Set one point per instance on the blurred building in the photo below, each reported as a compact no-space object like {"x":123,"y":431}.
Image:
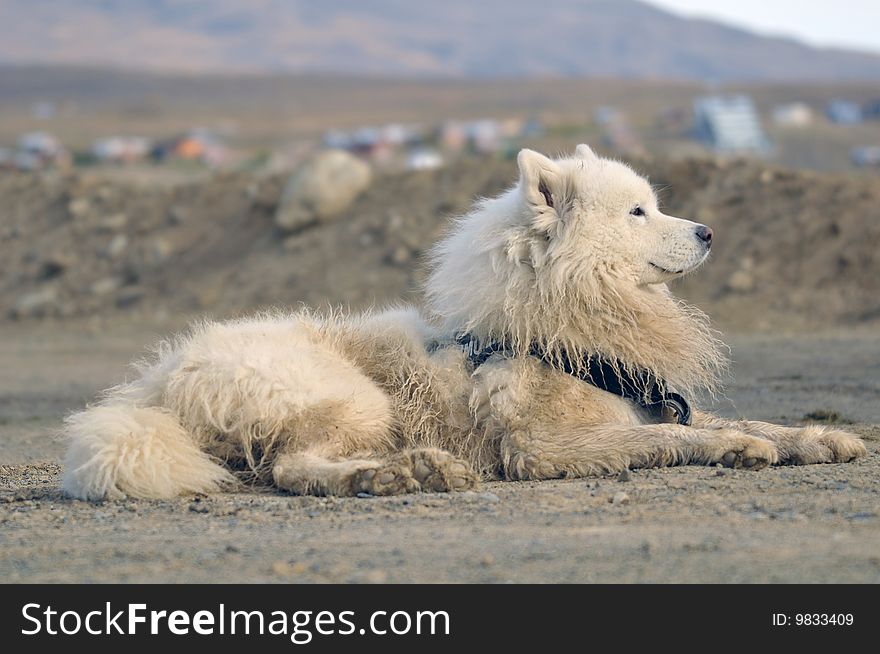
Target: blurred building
{"x":121,"y":149}
{"x":452,"y":135}
{"x":485,"y":136}
{"x":871,"y":109}
{"x":844,"y":112}
{"x":38,"y":150}
{"x":729,"y":124}
{"x":794,"y":114}
{"x":378,"y":144}
{"x":424,"y":159}
{"x":199,"y":144}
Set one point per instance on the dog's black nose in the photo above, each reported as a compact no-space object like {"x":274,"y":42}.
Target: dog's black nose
{"x":705,"y":234}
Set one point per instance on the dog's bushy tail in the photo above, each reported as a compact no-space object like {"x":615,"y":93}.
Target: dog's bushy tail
{"x":118,"y":450}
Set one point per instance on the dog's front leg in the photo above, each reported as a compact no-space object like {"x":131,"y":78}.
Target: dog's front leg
{"x":544,"y":452}
{"x":552,"y":425}
{"x":796,"y":445}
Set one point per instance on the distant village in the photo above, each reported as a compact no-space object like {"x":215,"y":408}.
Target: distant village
{"x":727,"y":124}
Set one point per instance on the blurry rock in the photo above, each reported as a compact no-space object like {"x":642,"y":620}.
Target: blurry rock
{"x":620,"y":498}
{"x":113,"y":223}
{"x":395,"y":220}
{"x":52,"y":268}
{"x":375,"y":576}
{"x":177,"y":215}
{"x":160,"y":250}
{"x":282,"y":569}
{"x":742,"y":281}
{"x":129,"y":297}
{"x":117,"y":246}
{"x":78,"y":207}
{"x":36,"y":304}
{"x":105,"y":286}
{"x":321,"y":189}
{"x":401,"y":255}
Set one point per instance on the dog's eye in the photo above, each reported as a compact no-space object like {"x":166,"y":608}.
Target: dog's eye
{"x":637,"y":211}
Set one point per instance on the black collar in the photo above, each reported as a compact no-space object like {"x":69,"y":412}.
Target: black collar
{"x":640,"y":386}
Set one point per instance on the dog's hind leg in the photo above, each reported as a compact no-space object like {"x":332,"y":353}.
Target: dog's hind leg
{"x":311,"y":472}
{"x":796,"y":445}
{"x":548,"y":453}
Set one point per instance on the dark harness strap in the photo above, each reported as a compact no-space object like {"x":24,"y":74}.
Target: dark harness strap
{"x":640,"y":387}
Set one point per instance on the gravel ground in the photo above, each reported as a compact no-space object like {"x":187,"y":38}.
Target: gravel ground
{"x":686,"y":524}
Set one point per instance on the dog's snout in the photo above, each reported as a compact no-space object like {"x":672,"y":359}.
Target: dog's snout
{"x":705,"y":234}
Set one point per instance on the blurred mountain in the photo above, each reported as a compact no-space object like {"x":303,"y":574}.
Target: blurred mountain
{"x":490,"y":38}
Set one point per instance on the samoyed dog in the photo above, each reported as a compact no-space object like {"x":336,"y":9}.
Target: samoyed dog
{"x":549,"y":346}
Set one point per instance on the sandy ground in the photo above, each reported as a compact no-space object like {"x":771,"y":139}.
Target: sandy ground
{"x":687,"y":524}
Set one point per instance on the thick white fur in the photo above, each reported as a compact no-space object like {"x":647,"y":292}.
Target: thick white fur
{"x":387,"y":402}
{"x":124,"y":449}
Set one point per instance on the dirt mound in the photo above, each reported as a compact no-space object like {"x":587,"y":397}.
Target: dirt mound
{"x":793,"y":249}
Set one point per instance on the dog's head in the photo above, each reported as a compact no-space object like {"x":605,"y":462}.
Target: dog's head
{"x":573,"y":258}
{"x":601,"y":212}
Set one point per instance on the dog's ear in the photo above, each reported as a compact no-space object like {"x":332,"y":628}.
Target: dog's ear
{"x":540,"y":180}
{"x":585,"y":152}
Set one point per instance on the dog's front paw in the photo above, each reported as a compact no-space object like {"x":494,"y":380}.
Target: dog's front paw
{"x":845,"y":447}
{"x":494,"y":398}
{"x":738,"y":450}
{"x":439,"y":472}
{"x":426,"y":469}
{"x":815,"y":444}
{"x":393,"y":478}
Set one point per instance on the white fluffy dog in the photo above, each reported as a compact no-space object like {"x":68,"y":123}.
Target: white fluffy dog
{"x":550,"y":347}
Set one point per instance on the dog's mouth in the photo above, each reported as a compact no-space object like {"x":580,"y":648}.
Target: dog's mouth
{"x":666,"y":270}
{"x":680,"y":271}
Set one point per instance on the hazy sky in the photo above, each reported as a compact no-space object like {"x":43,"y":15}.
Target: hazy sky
{"x":842,"y":23}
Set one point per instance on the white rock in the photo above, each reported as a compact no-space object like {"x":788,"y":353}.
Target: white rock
{"x":117,"y":246}
{"x":105,"y":286}
{"x":78,"y":207}
{"x":620,"y":498}
{"x":36,"y":303}
{"x":324,"y":187}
